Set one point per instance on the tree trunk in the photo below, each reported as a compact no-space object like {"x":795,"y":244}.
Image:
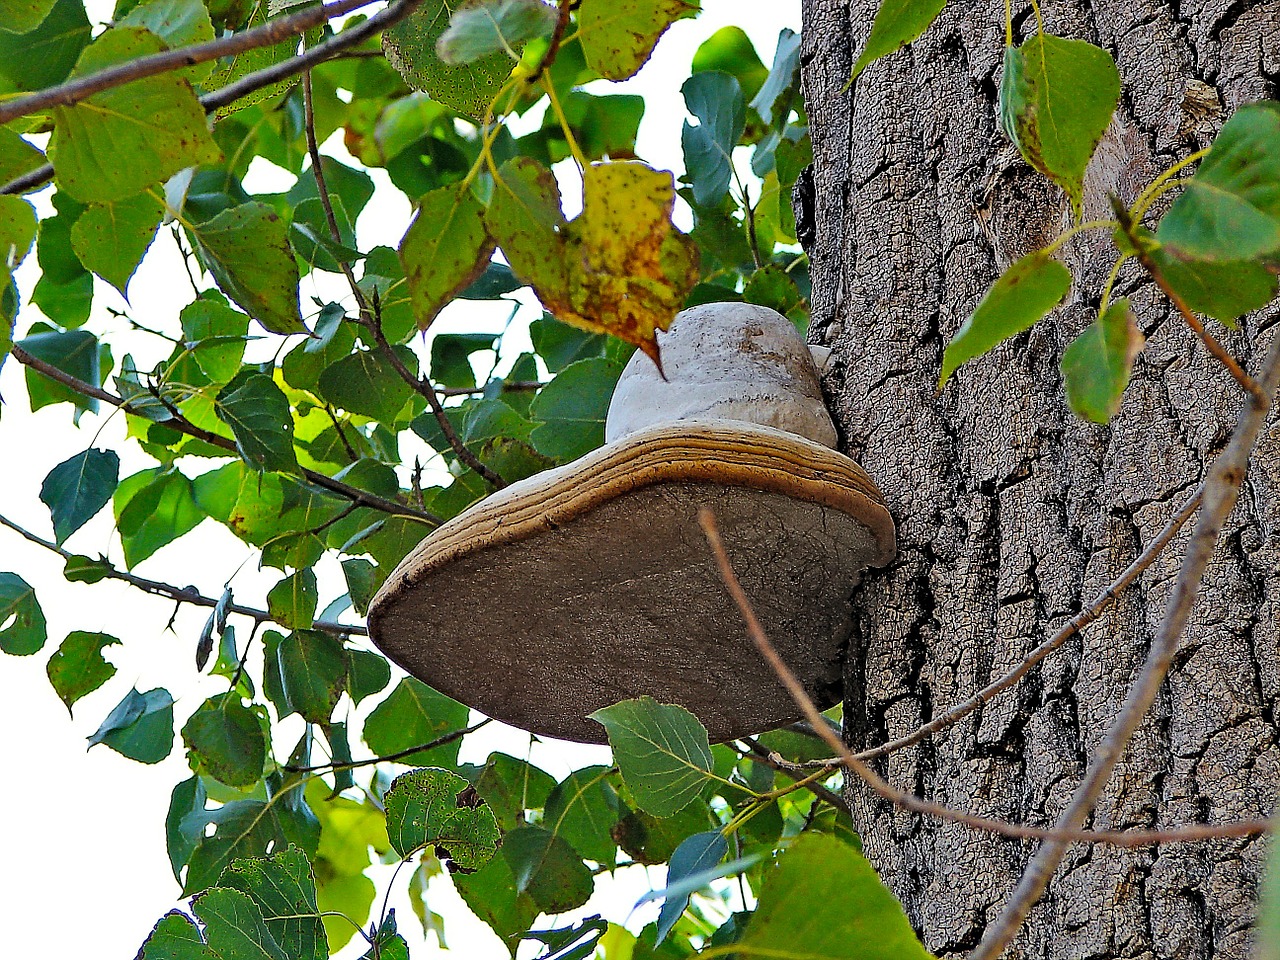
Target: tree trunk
{"x":1011,"y":512}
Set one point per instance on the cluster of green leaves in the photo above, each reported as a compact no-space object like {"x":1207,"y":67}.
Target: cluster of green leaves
{"x":283,"y":421}
{"x":1215,"y":252}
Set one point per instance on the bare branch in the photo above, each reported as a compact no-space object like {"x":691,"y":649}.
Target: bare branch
{"x":181,"y":594}
{"x":1221,"y":489}
{"x":514,"y":386}
{"x":391,"y":757}
{"x":909,"y":801}
{"x":345,"y":490}
{"x":760,"y":754}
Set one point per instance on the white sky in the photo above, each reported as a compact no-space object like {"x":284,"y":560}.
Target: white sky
{"x":84,"y":871}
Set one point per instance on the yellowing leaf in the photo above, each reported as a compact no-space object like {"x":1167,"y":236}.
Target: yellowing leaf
{"x":618,"y":35}
{"x":445,"y":249}
{"x":619,"y":268}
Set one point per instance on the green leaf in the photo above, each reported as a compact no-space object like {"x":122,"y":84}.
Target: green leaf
{"x":235,"y":927}
{"x":17,"y":155}
{"x":1231,"y":208}
{"x":511,"y":787}
{"x":179,"y":23}
{"x":716,"y":100}
{"x":583,"y":808}
{"x":451,"y":357}
{"x":258,"y":413}
{"x":1222,"y":289}
{"x":492,"y":896}
{"x":156,"y":122}
{"x":43,"y":56}
{"x":652,"y":840}
{"x":284,"y":890}
{"x":446,"y":247}
{"x":730,"y":49}
{"x":824,"y":895}
{"x":74,"y":352}
{"x":571,"y":409}
{"x":697,"y":854}
{"x":215,"y":334}
{"x":365,"y":382}
{"x":786,"y":61}
{"x":618,"y":36}
{"x":546,"y":868}
{"x":66,"y":304}
{"x":153,"y":508}
{"x":661,"y":750}
{"x":360,"y":574}
{"x":22,"y":625}
{"x":246,"y":248}
{"x":897,"y":23}
{"x":112,"y":238}
{"x":414,"y":714}
{"x":428,"y":808}
{"x":387,"y":943}
{"x":245,"y":828}
{"x":78,"y":488}
{"x":292,"y":601}
{"x":559,"y":344}
{"x":140,"y":727}
{"x":1267,"y":932}
{"x":78,"y":668}
{"x":313,"y":673}
{"x":410,"y":45}
{"x":17,"y":231}
{"x":245,"y":62}
{"x":1024,"y":294}
{"x":226,"y":738}
{"x":23,"y":16}
{"x":488,"y":27}
{"x":175,"y":937}
{"x":1097,"y":364}
{"x":1056,"y":101}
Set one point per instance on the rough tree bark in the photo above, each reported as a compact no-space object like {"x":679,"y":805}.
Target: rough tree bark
{"x":1010,"y":510}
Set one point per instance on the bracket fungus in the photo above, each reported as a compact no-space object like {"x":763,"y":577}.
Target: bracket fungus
{"x":592,"y":582}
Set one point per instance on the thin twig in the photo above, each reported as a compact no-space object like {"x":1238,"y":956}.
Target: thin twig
{"x":391,"y":757}
{"x":761,"y":754}
{"x":181,"y":424}
{"x":181,"y":594}
{"x":909,"y":801}
{"x":424,"y":387}
{"x":272,"y":32}
{"x":393,"y":14}
{"x":1221,"y":489}
{"x":1074,"y":626}
{"x":512,"y":386}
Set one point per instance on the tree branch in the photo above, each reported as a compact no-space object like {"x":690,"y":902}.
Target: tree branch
{"x":273,"y":31}
{"x":760,"y":754}
{"x":909,"y":801}
{"x":181,"y":424}
{"x":181,"y":594}
{"x":1221,"y":489}
{"x":391,"y":757}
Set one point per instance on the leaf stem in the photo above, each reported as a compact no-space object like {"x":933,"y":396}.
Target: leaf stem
{"x":574,"y":149}
{"x":1145,"y":198}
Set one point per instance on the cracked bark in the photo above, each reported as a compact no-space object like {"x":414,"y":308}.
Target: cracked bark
{"x":1010,"y":511}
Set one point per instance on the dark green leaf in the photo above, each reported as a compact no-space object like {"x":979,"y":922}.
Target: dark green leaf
{"x":897,"y":23}
{"x":559,"y":344}
{"x":226,"y":738}
{"x":716,"y":100}
{"x":1056,"y":100}
{"x":175,"y":937}
{"x":446,"y":247}
{"x":696,"y":854}
{"x":1026,"y":293}
{"x":481,"y":29}
{"x":258,"y":413}
{"x":292,"y":601}
{"x":365,"y":382}
{"x":511,"y":787}
{"x":618,"y":36}
{"x":22,"y":625}
{"x":112,"y":238}
{"x":78,"y":667}
{"x":387,"y":943}
{"x":156,"y":122}
{"x":1097,"y":364}
{"x":424,"y":808}
{"x":415,"y":714}
{"x":313,"y":673}
{"x":661,"y":750}
{"x":153,"y":508}
{"x":78,"y":488}
{"x":284,"y":890}
{"x":583,"y":808}
{"x":245,"y":62}
{"x":786,"y":60}
{"x":80,"y":569}
{"x":826,"y":896}
{"x":246,"y":248}
{"x":43,"y":56}
{"x":1222,"y":289}
{"x":572,"y":409}
{"x":651,"y":840}
{"x":546,"y":868}
{"x":451,"y":357}
{"x":359,"y":574}
{"x":235,"y":926}
{"x":411,"y":47}
{"x":730,"y":49}
{"x":245,"y":828}
{"x":496,"y":280}
{"x":492,"y":896}
{"x":140,"y":727}
{"x":187,"y":797}
{"x":75,"y":353}
{"x":1231,"y":208}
